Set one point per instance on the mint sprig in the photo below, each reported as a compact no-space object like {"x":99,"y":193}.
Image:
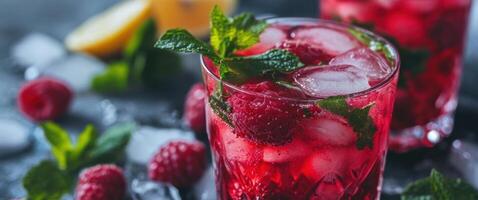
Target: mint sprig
{"x":411,"y":60}
{"x":227,"y":36}
{"x":358,"y":119}
{"x":49,"y":179}
{"x":438,"y":187}
{"x":373,"y":44}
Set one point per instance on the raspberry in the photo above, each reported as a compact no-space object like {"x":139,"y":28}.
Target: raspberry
{"x":44,"y":99}
{"x":91,"y":192}
{"x":109,"y":178}
{"x":194,"y":111}
{"x":264,"y":119}
{"x":180,"y":163}
{"x":306,"y":52}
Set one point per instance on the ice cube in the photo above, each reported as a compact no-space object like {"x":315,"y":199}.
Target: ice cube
{"x":147,"y":140}
{"x":288,"y":152}
{"x":205,"y":189}
{"x":368,"y":61}
{"x":268,"y":39}
{"x":273,"y":36}
{"x":331,"y":80}
{"x":148,"y":190}
{"x":77,"y":70}
{"x":333,"y":42}
{"x":14,"y":136}
{"x":236,"y":148}
{"x":37,"y":49}
{"x":324,"y":162}
{"x":330,"y":130}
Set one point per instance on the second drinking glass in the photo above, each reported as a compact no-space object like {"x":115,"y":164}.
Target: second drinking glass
{"x":429,"y":35}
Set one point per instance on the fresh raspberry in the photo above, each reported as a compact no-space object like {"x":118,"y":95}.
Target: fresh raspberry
{"x":109,"y":177}
{"x":263,"y":119}
{"x":91,"y":192}
{"x":307,"y":53}
{"x":44,"y":99}
{"x":180,"y":163}
{"x":194,"y":108}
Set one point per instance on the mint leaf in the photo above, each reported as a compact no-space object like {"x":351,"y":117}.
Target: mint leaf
{"x":180,"y":40}
{"x":276,"y":60}
{"x":46,"y":181}
{"x":60,"y":143}
{"x":375,"y":45}
{"x":358,"y":119}
{"x":111,"y":144}
{"x":438,"y":187}
{"x":228,"y":35}
{"x":113,"y":79}
{"x":219,"y":106}
{"x":220,"y":24}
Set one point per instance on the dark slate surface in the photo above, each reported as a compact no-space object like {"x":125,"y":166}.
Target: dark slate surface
{"x":58,"y":17}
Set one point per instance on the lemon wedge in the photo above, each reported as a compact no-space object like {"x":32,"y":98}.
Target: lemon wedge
{"x":108,"y":32}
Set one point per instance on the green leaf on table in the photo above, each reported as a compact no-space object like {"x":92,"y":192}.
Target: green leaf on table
{"x":110,"y":146}
{"x":438,"y":187}
{"x":86,"y":140}
{"x":141,"y":41}
{"x":113,"y":79}
{"x":160,"y":67}
{"x":59,"y":141}
{"x":358,"y":119}
{"x":46,"y":181}
{"x":181,"y":41}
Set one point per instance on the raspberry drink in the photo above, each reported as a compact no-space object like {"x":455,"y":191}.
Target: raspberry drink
{"x":317,"y":132}
{"x":429,"y":36}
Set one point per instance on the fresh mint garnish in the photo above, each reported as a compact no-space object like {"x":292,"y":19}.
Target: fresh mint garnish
{"x":375,"y":45}
{"x":50,"y":180}
{"x":181,"y":41}
{"x":219,"y":106}
{"x":438,"y":187}
{"x":358,"y":119}
{"x":46,"y":181}
{"x":411,"y":60}
{"x":227,"y":36}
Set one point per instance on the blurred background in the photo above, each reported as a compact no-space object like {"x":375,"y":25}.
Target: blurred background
{"x":53,"y":20}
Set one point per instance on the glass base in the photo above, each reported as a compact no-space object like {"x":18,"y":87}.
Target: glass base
{"x":427,"y":135}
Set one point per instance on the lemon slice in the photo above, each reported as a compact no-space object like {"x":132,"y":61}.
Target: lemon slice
{"x":108,"y":32}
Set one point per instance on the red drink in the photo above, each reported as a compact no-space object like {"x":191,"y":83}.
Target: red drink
{"x":429,"y":35}
{"x":319,"y":132}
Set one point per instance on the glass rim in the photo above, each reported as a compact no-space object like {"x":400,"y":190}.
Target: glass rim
{"x":395,"y":66}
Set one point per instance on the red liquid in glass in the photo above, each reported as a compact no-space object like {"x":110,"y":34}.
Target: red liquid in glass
{"x":429,"y":35}
{"x":320,"y":158}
